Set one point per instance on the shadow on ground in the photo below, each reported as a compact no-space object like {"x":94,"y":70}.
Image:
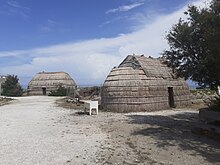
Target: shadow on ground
{"x":178,"y":130}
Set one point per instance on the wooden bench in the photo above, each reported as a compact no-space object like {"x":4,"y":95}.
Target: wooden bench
{"x":89,"y":105}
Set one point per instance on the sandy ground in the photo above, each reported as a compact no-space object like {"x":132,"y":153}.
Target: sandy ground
{"x":34,"y":130}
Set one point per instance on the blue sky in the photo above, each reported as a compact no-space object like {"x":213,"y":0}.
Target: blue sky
{"x":85,"y":38}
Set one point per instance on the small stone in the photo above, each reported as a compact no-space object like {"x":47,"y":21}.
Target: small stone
{"x":137,"y":161}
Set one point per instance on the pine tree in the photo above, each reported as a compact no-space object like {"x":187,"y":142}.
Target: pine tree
{"x":195,"y":45}
{"x":11,"y":86}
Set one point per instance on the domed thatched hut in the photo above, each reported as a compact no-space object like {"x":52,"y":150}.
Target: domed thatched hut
{"x":44,"y":82}
{"x":143,"y":84}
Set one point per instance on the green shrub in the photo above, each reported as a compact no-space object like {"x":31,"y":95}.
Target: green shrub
{"x":206,"y":91}
{"x":61,"y":91}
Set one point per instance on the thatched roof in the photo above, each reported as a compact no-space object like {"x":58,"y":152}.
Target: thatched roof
{"x":141,"y":84}
{"x":151,"y":66}
{"x":52,"y":79}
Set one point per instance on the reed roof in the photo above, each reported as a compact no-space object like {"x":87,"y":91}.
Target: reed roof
{"x":152,"y":67}
{"x":52,"y":79}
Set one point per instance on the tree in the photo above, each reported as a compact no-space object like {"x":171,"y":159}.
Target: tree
{"x":11,"y":86}
{"x":195,"y":45}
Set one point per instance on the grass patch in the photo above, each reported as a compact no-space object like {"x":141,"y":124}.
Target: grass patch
{"x":206,"y":91}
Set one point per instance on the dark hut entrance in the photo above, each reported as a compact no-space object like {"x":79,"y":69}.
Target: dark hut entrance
{"x":171,"y":97}
{"x":44,"y":90}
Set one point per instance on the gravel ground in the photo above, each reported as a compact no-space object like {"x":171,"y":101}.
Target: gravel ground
{"x":34,"y":130}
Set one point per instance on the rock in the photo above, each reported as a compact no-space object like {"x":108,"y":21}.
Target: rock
{"x":199,"y":96}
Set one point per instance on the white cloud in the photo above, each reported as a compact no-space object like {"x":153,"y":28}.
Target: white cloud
{"x":15,"y":4}
{"x":90,"y":61}
{"x":12,"y":7}
{"x":125,"y":8}
{"x":53,"y":26}
{"x":49,"y":25}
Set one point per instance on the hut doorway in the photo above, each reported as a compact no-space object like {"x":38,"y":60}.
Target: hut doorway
{"x":44,"y":91}
{"x":171,"y":97}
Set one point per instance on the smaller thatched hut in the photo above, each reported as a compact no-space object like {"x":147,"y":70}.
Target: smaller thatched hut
{"x":44,"y":82}
{"x":143,"y":84}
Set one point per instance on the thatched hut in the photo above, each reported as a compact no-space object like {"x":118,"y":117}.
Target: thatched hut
{"x":143,"y":84}
{"x":44,"y":82}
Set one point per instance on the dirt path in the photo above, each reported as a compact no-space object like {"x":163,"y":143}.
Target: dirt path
{"x":33,"y":130}
{"x":157,"y":138}
{"x":163,"y":137}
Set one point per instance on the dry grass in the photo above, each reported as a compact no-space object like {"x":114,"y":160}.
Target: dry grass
{"x":68,"y":105}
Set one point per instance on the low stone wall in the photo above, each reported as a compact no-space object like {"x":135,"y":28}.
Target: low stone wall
{"x":4,"y":100}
